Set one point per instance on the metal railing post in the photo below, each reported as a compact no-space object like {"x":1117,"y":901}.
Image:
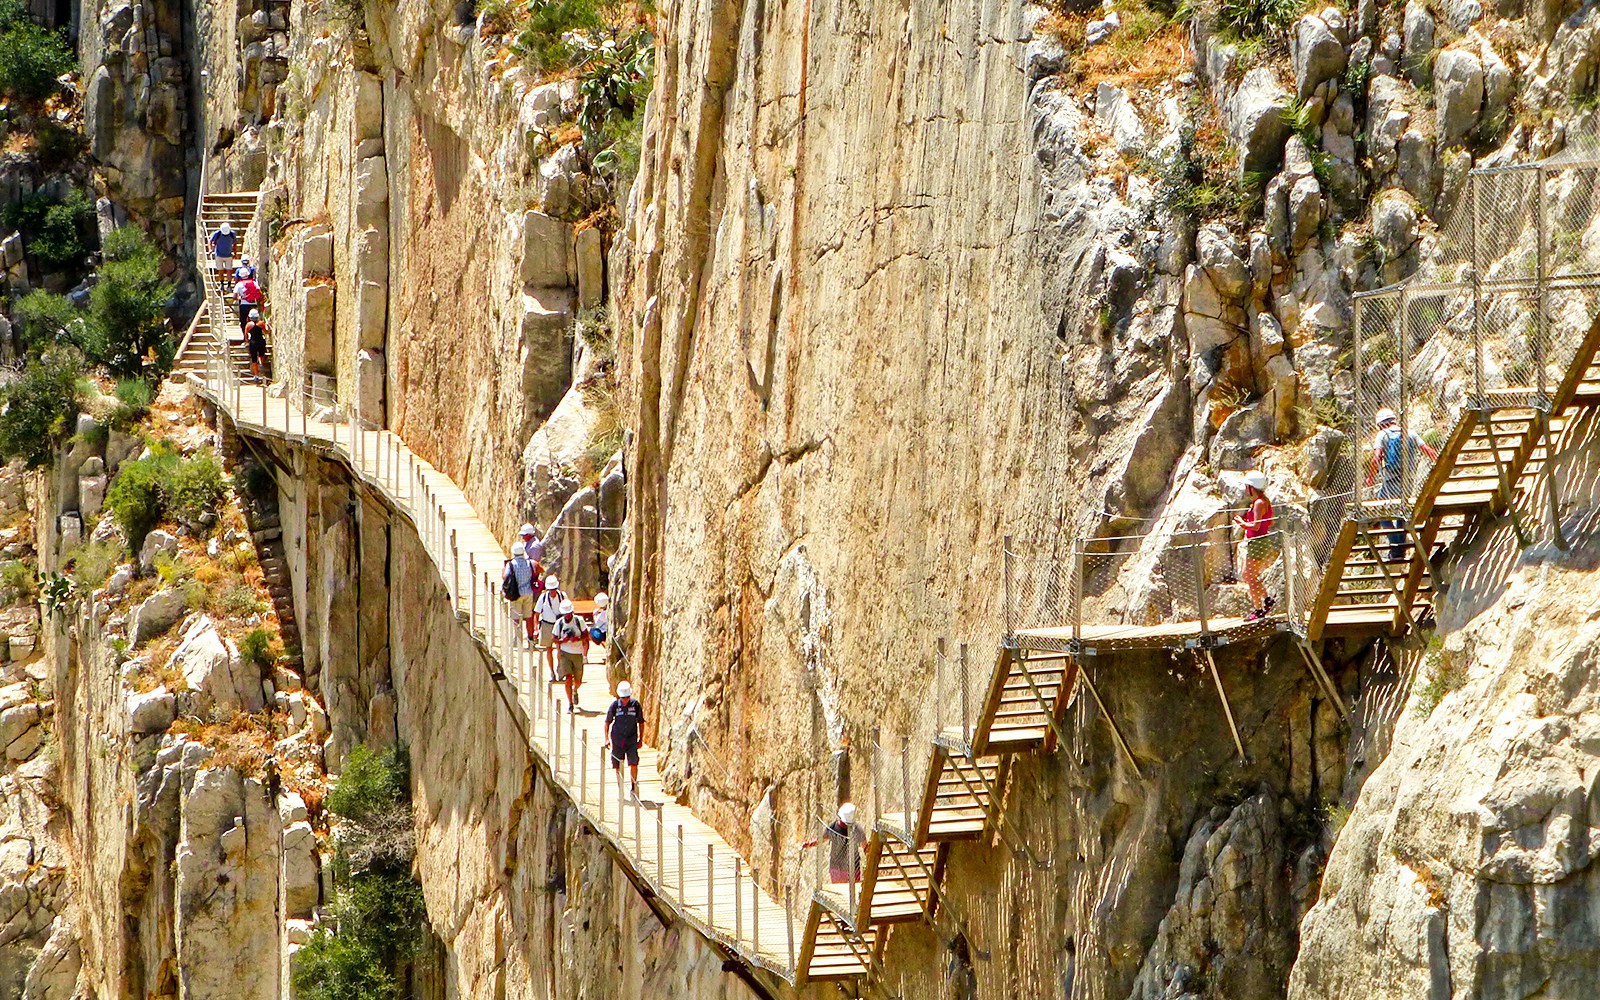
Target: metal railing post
{"x":1541,"y":265}
{"x":877,"y":776}
{"x":966,"y":706}
{"x":905,"y":784}
{"x":738,"y":898}
{"x":755,"y":913}
{"x":661,"y":870}
{"x":1201,"y":598}
{"x":455,"y":573}
{"x":1005,"y":566}
{"x":472,"y":605}
{"x":788,"y":920}
{"x":683,"y":891}
{"x":1358,"y":331}
{"x":1077,"y":590}
{"x":1403,"y":351}
{"x":583,"y":778}
{"x":1477,"y":297}
{"x":711,"y":878}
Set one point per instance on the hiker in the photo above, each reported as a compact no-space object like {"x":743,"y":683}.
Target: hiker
{"x":222,"y":243}
{"x":1261,"y":543}
{"x":600,"y":624}
{"x":844,"y":846}
{"x":1394,"y":454}
{"x":244,"y":270}
{"x":572,"y":643}
{"x":516,"y":586}
{"x":530,"y":539}
{"x":255,"y":342}
{"x":624,"y":722}
{"x":249,"y":296}
{"x":547,"y":608}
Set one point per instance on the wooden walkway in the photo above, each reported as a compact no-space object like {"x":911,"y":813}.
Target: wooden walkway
{"x":685,"y":864}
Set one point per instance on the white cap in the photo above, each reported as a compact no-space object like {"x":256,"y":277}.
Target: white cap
{"x":245,"y":259}
{"x":602,"y":600}
{"x":255,"y":314}
{"x":527,"y":529}
{"x":225,"y":227}
{"x":518,"y":549}
{"x":847,"y":812}
{"x":566,"y":607}
{"x":551,"y":583}
{"x":1256,"y":478}
{"x":624,"y":689}
{"x":1385,"y":416}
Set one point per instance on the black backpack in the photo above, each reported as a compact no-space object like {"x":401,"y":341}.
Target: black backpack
{"x":508,"y":585}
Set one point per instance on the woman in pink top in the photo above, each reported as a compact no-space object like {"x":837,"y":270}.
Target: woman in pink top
{"x":1261,"y":544}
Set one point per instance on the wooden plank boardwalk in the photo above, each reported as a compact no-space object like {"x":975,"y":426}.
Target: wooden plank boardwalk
{"x":684,"y":863}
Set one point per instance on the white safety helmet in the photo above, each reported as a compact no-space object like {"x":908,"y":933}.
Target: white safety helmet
{"x":1256,"y":478}
{"x":527,"y":529}
{"x":225,"y":228}
{"x":245,"y":259}
{"x":624,"y":689}
{"x":566,"y":607}
{"x":551,"y":583}
{"x":602,"y":600}
{"x":255,"y":314}
{"x":847,"y":812}
{"x":1385,"y":416}
{"x":518,"y":549}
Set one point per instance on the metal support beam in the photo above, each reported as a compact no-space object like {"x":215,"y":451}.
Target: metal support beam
{"x":1116,"y":734}
{"x":1227,"y":710}
{"x":1324,"y":681}
{"x":1552,"y":482}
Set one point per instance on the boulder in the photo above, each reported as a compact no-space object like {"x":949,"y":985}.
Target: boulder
{"x":1417,"y":42}
{"x":91,"y":495}
{"x":558,"y":181}
{"x":591,"y":262}
{"x":1458,"y":88}
{"x":300,"y":878}
{"x":1322,"y":452}
{"x":547,"y":251}
{"x":1255,"y":120}
{"x":152,"y":711}
{"x":215,"y":672}
{"x":1388,"y":118}
{"x":1305,"y":212}
{"x":159,"y":612}
{"x":1223,"y":258}
{"x":1317,"y":54}
{"x":157,"y":543}
{"x":1114,"y":111}
{"x":70,"y":529}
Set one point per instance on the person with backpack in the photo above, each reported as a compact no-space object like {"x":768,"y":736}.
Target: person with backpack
{"x":244,"y":270}
{"x":1261,"y":544}
{"x":624,"y":724}
{"x":255,"y":342}
{"x":572,"y":643}
{"x":516,"y":586}
{"x":1394,"y":459}
{"x":249,"y":297}
{"x":222,"y":244}
{"x":547,"y":607}
{"x":600,"y":624}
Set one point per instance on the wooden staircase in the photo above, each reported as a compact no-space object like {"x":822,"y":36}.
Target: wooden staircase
{"x":198,"y":344}
{"x":961,"y":799}
{"x":220,"y":312}
{"x":1490,"y":455}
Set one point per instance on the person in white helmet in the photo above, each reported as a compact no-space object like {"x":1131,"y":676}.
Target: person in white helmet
{"x":516,"y":586}
{"x":600,"y":624}
{"x":624,"y":724}
{"x":1394,"y":460}
{"x":530,"y":539}
{"x":547,"y":608}
{"x":572,"y":642}
{"x":244,"y":270}
{"x":222,"y":243}
{"x":1261,"y":544}
{"x":844,"y":845}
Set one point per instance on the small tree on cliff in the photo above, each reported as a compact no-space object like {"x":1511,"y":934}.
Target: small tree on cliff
{"x":127,"y":308}
{"x":39,"y":405}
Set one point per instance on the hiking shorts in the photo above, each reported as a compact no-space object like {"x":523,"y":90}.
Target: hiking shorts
{"x":1262,"y":548}
{"x":225,"y":263}
{"x":522,"y":607}
{"x":569,"y":665}
{"x":628,"y":750}
{"x":257,"y":352}
{"x":547,"y":633}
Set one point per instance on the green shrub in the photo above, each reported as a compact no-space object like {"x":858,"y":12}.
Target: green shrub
{"x":55,"y":144}
{"x":258,"y":647}
{"x":372,"y":783}
{"x":239,"y":601}
{"x":136,"y":498}
{"x":341,"y":967}
{"x":93,"y":562}
{"x":253,"y":480}
{"x":52,"y":230}
{"x":46,"y":318}
{"x":1247,"y":19}
{"x":17,"y":582}
{"x":195,"y":488}
{"x":543,"y":40}
{"x":31,"y":57}
{"x":135,"y":394}
{"x":39,"y":408}
{"x":128,"y":307}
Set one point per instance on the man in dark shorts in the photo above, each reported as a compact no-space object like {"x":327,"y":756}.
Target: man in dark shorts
{"x":624,"y":721}
{"x":255,"y":342}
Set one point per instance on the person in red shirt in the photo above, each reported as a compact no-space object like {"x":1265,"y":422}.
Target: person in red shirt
{"x":1261,"y":544}
{"x":248,"y":295}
